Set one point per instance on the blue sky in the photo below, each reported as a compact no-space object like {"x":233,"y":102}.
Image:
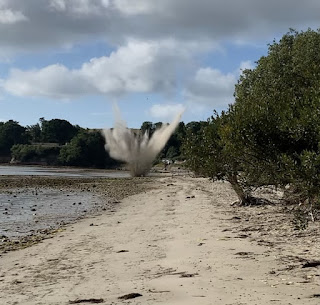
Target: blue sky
{"x":73,"y":59}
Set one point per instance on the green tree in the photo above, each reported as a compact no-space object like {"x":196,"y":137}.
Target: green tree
{"x":86,"y":149}
{"x":11,"y":133}
{"x":57,"y":131}
{"x":148,"y":127}
{"x":193,"y":149}
{"x":34,"y":133}
{"x":271,"y":135}
{"x":158,"y":125}
{"x":194,"y":127}
{"x":276,"y":117}
{"x":211,"y":152}
{"x":38,"y":153}
{"x":172,"y":150}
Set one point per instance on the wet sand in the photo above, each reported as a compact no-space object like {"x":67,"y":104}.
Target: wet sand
{"x":26,"y":211}
{"x":31,"y":208}
{"x":179,"y":243}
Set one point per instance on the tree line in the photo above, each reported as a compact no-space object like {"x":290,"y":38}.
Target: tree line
{"x":58,"y":142}
{"x":270,"y":135}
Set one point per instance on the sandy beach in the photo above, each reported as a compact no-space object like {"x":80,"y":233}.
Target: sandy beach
{"x":179,"y":243}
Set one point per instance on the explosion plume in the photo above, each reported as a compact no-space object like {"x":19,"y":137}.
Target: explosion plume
{"x":137,"y":150}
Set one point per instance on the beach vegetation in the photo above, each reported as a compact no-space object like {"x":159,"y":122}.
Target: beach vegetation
{"x":271,"y":133}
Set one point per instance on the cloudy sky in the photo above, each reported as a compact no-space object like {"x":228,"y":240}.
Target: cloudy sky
{"x":73,"y":59}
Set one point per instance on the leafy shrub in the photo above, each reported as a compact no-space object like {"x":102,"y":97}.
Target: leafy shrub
{"x":86,"y":149}
{"x":271,"y":134}
{"x":35,"y":153}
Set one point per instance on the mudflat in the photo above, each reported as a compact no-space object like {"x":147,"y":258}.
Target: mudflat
{"x":32,"y":208}
{"x":180,"y":242}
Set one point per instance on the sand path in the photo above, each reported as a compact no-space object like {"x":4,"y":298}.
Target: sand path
{"x":170,"y":244}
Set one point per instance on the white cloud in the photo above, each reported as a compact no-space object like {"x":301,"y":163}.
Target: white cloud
{"x":59,"y":5}
{"x":211,"y":87}
{"x":137,"y":67}
{"x":130,"y":7}
{"x":55,"y":23}
{"x":11,"y":17}
{"x":165,"y":112}
{"x":155,"y":42}
{"x":248,"y":64}
{"x":54,"y":81}
{"x":79,"y":7}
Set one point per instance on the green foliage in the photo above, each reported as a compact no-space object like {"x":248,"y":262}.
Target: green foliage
{"x":172,"y":149}
{"x":172,"y":152}
{"x":11,"y":133}
{"x":34,"y":133}
{"x":205,"y":150}
{"x":193,"y":149}
{"x":35,"y":153}
{"x":271,"y":134}
{"x":148,"y":127}
{"x":277,"y":113}
{"x":211,"y":152}
{"x":86,"y":149}
{"x":57,"y":131}
{"x":81,"y":147}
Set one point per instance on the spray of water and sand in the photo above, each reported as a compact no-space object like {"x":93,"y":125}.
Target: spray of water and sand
{"x":135,"y":149}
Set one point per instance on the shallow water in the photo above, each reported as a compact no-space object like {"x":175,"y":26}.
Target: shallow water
{"x":12,"y":170}
{"x":25,"y":211}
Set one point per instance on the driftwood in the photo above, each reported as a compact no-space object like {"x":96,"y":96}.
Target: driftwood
{"x":93,"y":301}
{"x":130,"y":296}
{"x":311,"y":264}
